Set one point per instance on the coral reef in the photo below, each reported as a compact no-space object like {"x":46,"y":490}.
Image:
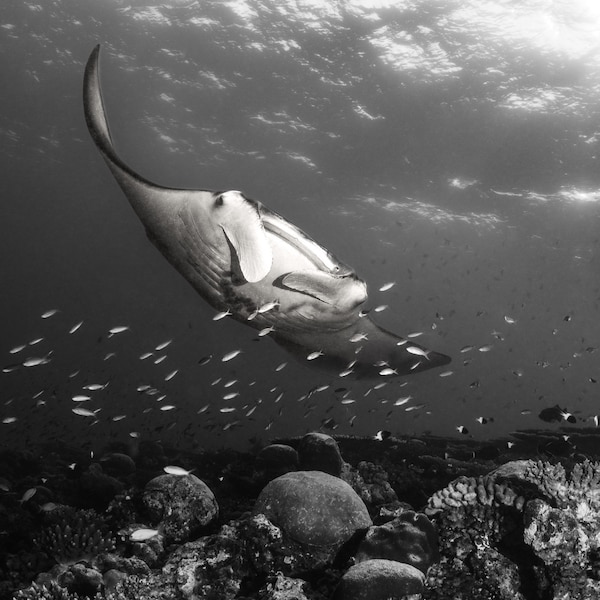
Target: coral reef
{"x":528,"y":530}
{"x":537,"y":520}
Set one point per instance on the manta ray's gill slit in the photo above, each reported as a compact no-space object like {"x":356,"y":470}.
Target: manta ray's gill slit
{"x":208,"y":265}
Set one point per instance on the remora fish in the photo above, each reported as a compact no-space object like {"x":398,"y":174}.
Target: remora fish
{"x":239,"y":256}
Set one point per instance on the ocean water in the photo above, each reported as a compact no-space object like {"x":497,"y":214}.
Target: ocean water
{"x":449,"y":147}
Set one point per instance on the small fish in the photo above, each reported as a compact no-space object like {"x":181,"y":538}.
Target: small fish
{"x":49,"y":313}
{"x":388,"y":371}
{"x":418,"y":351}
{"x":48,"y":507}
{"x":17,"y":349}
{"x":81,"y":398}
{"x":280,"y":367}
{"x":163,"y":345}
{"x":75,"y":327}
{"x":348,"y":401}
{"x":221,"y":315}
{"x":118,"y":329}
{"x":204,"y":360}
{"x":35,"y":361}
{"x":380,"y":308}
{"x":84,"y":412}
{"x":402,"y":401}
{"x":251,"y":411}
{"x":314,"y":355}
{"x":143,"y":388}
{"x":160,"y":359}
{"x":143,"y":534}
{"x":118,"y":418}
{"x":415,"y":334}
{"x":10,"y":368}
{"x":357,"y":337}
{"x":510,"y":445}
{"x":446,"y":373}
{"x":265,"y":331}
{"x":231,"y":396}
{"x":167,"y":407}
{"x":509,"y":320}
{"x":227,"y":409}
{"x":28,"y":495}
{"x":481,"y":420}
{"x":230,"y":355}
{"x":466,"y":349}
{"x":171,"y":375}
{"x":9,"y":420}
{"x":268,"y":306}
{"x":415,"y":407}
{"x":36,"y":341}
{"x":94,"y":387}
{"x":175,"y":470}
{"x":485,"y":348}
{"x":109,"y":355}
{"x":462,"y":429}
{"x":387,"y":286}
{"x":345,"y":372}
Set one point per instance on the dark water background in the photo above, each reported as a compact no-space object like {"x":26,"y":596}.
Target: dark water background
{"x":450,"y":147}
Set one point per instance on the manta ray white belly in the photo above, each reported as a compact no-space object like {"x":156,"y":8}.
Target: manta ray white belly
{"x":244,"y":258}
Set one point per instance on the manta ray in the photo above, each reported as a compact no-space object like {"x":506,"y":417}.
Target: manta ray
{"x":249,"y":262}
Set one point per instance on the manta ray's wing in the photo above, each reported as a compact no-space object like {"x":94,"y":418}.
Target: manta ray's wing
{"x":365,"y":349}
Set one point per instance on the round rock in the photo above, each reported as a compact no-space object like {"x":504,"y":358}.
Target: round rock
{"x":410,"y":538}
{"x":313,"y":508}
{"x":277,"y":457}
{"x":320,"y":452}
{"x":182,"y":505}
{"x":380,"y":579}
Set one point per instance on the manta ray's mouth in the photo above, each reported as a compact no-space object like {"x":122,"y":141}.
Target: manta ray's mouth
{"x":319,"y":256}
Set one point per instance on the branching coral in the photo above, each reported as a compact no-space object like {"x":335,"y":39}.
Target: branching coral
{"x":52,"y":591}
{"x":75,"y":536}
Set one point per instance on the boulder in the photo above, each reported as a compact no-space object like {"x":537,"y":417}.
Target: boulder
{"x":180,"y":505}
{"x":313,"y":508}
{"x":380,"y":579}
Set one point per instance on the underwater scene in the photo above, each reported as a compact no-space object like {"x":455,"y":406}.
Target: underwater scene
{"x":300,"y":300}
